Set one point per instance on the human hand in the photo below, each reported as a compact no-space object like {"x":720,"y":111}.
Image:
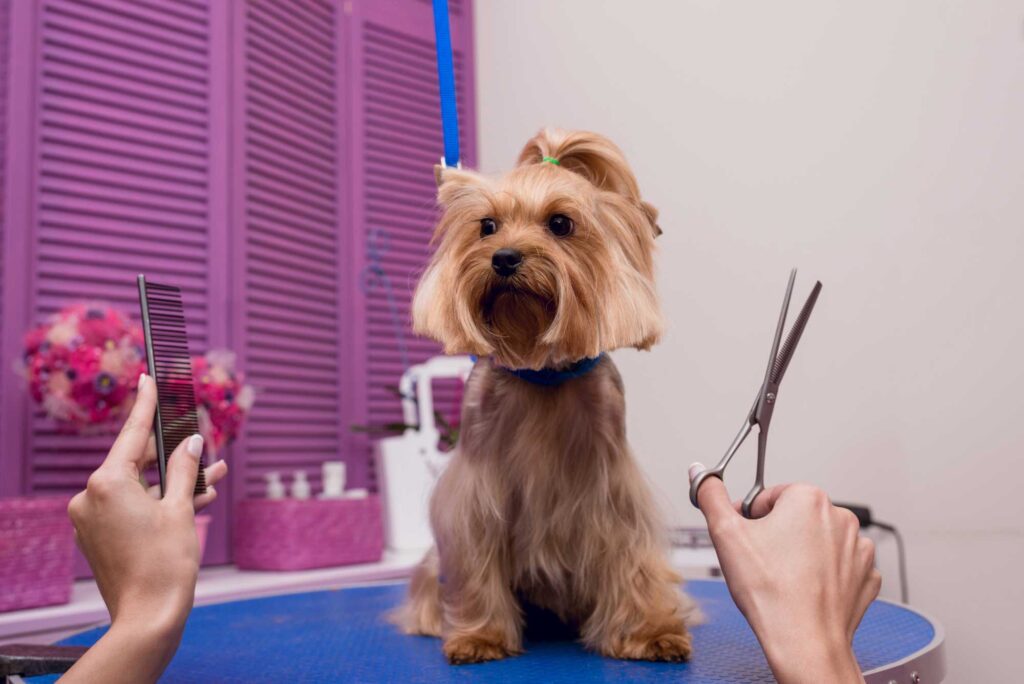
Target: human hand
{"x":143,"y":550}
{"x":800,"y":573}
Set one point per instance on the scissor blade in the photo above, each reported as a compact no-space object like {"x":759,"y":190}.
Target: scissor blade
{"x":769,"y":372}
{"x":793,"y":338}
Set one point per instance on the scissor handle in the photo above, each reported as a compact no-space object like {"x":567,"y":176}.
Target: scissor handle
{"x":719,"y":470}
{"x":699,"y":480}
{"x":762,"y":446}
{"x":748,"y":501}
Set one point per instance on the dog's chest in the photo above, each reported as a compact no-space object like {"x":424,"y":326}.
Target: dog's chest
{"x":554,"y":457}
{"x":558,"y":488}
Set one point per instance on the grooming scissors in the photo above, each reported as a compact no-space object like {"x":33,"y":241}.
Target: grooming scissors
{"x":764,"y":404}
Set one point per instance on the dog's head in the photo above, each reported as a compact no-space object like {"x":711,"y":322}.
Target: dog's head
{"x":547,"y":265}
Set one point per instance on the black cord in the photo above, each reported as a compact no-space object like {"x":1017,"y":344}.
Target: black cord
{"x":891,"y":529}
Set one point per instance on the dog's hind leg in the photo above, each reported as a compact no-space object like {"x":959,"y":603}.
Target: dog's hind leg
{"x":421,"y":612}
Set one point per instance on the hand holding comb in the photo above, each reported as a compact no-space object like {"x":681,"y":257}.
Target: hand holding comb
{"x":170,"y":365}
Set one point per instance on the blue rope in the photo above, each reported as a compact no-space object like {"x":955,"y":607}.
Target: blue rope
{"x":446,"y":83}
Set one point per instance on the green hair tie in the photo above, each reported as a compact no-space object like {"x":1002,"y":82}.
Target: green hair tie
{"x":551,"y":160}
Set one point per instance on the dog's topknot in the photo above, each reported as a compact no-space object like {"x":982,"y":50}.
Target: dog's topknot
{"x":592,"y":156}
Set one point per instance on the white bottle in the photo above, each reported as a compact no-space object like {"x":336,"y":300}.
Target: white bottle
{"x":333,"y":479}
{"x":300,"y":486}
{"x":275,"y":488}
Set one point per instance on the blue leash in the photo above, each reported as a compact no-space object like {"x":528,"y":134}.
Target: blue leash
{"x":446,"y":84}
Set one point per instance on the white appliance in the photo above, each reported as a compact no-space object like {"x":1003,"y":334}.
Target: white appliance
{"x":408,"y":465}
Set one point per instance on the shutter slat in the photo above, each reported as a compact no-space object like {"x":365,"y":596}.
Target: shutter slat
{"x":271,"y":143}
{"x":91,"y":25}
{"x":291,"y":123}
{"x":58,"y":103}
{"x":86,"y":159}
{"x":184,"y":29}
{"x":311,"y":34}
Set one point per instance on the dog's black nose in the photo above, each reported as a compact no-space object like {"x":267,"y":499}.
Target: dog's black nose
{"x":506,"y":261}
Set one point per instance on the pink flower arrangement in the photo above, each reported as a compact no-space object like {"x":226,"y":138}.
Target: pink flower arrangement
{"x":223,"y":397}
{"x":83,"y":366}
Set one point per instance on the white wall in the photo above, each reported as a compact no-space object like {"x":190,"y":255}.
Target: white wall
{"x":879,"y":146}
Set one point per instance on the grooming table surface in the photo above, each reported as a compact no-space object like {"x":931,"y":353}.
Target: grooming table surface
{"x":342,"y":636}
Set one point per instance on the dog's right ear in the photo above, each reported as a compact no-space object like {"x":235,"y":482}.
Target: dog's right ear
{"x":454,"y":183}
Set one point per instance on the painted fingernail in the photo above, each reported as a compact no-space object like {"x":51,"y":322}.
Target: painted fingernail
{"x":142,"y":380}
{"x":696,"y":468}
{"x":195,"y":445}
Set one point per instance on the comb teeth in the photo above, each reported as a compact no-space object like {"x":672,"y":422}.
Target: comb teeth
{"x":170,"y":364}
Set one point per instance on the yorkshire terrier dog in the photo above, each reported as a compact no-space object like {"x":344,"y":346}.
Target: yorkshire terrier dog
{"x":543,"y":505}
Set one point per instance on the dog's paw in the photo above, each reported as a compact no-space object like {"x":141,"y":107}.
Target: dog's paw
{"x":669,"y":646}
{"x":471,"y":648}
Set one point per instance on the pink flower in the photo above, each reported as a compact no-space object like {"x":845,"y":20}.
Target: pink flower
{"x":82,"y":366}
{"x":224,"y":401}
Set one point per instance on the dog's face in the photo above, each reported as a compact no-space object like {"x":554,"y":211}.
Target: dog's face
{"x":547,"y":265}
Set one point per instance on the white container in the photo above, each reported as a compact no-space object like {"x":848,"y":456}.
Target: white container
{"x":408,"y":465}
{"x":333,"y":480}
{"x":275,"y":488}
{"x":300,"y":486}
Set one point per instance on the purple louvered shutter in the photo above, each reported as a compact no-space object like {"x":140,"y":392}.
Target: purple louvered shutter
{"x":126,"y":162}
{"x":5,"y":8}
{"x":288,"y":314}
{"x":396,"y":130}
{"x":141,"y":131}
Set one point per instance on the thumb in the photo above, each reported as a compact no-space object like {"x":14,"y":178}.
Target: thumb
{"x":183,"y":469}
{"x":712,"y":496}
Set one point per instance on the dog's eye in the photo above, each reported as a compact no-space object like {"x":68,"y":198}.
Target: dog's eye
{"x":560,"y":225}
{"x":488,"y":226}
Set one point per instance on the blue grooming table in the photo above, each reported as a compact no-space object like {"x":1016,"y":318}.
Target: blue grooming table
{"x":342,"y":636}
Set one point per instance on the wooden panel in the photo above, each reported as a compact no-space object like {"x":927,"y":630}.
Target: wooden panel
{"x":122,"y":159}
{"x":289,"y":314}
{"x":5,"y":11}
{"x":399,"y":139}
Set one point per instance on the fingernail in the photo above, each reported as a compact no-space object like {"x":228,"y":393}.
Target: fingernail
{"x":695,"y":469}
{"x":142,"y":379}
{"x":195,"y":445}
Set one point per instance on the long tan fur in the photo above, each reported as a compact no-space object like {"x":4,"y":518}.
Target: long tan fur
{"x":543,"y":501}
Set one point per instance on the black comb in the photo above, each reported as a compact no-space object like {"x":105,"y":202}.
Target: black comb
{"x":170,"y":364}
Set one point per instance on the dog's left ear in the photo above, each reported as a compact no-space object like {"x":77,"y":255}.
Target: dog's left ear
{"x":652,"y":215}
{"x":592,"y":156}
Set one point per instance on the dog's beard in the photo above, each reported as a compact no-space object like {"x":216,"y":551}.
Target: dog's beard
{"x":546,"y":315}
{"x":515,"y":319}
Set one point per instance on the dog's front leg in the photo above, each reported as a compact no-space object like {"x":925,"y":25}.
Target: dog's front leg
{"x":641,"y":613}
{"x":482,"y":618}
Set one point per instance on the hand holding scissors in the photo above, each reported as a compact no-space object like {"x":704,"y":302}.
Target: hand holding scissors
{"x":764,"y":404}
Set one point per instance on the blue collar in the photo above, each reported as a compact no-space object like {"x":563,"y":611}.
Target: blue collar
{"x":552,"y":377}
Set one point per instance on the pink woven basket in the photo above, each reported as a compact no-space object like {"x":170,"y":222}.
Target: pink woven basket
{"x":37,"y":544}
{"x":298,"y":535}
